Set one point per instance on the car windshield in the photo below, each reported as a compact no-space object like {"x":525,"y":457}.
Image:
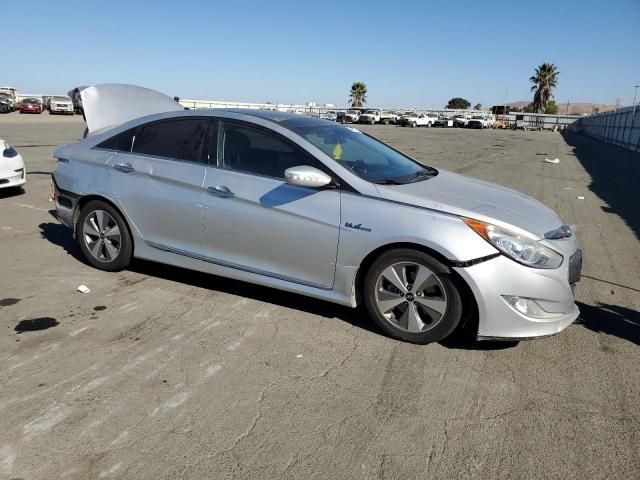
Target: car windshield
{"x":61,"y":99}
{"x":365,"y":156}
{"x":30,"y":100}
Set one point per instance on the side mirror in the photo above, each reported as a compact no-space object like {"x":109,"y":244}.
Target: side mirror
{"x":305,"y":176}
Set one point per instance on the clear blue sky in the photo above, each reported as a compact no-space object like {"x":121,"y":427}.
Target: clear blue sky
{"x":409,"y":53}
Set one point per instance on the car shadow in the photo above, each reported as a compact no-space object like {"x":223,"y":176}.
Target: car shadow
{"x":62,"y":237}
{"x":462,"y":339}
{"x":355,"y":317}
{"x":614,"y":175}
{"x":613,"y":320}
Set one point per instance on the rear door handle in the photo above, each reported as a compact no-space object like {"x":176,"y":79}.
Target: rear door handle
{"x":124,"y":167}
{"x":221,"y":191}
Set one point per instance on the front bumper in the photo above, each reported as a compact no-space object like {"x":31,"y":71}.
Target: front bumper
{"x":501,"y":277}
{"x":61,"y":110}
{"x":12,"y":172}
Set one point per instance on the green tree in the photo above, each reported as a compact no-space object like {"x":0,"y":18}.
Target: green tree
{"x":544,"y":80}
{"x":552,"y":108}
{"x":478,"y":106}
{"x":358,"y":94}
{"x":458,"y":102}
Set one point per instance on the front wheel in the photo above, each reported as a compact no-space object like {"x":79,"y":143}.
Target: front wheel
{"x":412,"y":296}
{"x":104,"y":237}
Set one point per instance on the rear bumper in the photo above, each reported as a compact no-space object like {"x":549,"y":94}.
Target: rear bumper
{"x":65,"y":205}
{"x":493,"y":281}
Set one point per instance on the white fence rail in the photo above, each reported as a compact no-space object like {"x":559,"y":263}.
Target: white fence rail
{"x":621,"y":127}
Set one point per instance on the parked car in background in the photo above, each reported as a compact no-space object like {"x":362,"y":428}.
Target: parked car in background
{"x":30,"y":105}
{"x":443,"y":121}
{"x":76,"y":98}
{"x":12,"y":95}
{"x":370,"y":116}
{"x":351,"y":116}
{"x":12,"y":171}
{"x":61,"y":104}
{"x":330,"y":115}
{"x":418,"y":120}
{"x":308,"y":206}
{"x":6,"y":105}
{"x":477,"y":121}
{"x":461,"y":120}
{"x":340,"y":116}
{"x":387,"y":118}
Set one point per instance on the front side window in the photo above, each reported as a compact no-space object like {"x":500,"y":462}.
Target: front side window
{"x":253,"y":150}
{"x":181,"y":139}
{"x":365,"y":156}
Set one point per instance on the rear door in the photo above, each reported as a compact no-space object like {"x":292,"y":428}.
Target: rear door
{"x":255,"y":221}
{"x":158,"y":181}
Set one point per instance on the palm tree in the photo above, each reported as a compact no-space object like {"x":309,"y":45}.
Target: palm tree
{"x":358,"y":94}
{"x":544,"y":81}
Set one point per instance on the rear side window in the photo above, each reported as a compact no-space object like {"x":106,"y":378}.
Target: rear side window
{"x":182,"y":139}
{"x":120,"y":142}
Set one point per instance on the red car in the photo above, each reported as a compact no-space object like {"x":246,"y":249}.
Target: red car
{"x":30,"y":105}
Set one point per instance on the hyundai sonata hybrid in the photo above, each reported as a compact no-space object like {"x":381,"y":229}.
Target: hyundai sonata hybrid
{"x":309,"y":206}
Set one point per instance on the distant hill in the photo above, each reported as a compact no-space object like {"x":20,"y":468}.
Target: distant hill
{"x":574,"y":108}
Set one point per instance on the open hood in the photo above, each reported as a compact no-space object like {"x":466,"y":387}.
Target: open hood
{"x":113,"y":104}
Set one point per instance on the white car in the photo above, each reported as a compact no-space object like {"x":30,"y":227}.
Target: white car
{"x":12,"y":171}
{"x":60,"y":104}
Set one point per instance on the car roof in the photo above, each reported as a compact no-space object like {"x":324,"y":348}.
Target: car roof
{"x":285,"y":119}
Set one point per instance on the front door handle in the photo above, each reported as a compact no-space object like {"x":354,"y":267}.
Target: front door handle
{"x":124,"y":167}
{"x":221,"y":191}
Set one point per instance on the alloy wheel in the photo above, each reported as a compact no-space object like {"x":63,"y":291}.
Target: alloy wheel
{"x":102,"y":236}
{"x":410,"y":297}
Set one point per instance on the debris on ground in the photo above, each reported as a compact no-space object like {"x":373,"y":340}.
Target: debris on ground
{"x":555,"y":160}
{"x":580,"y":198}
{"x":83,"y":289}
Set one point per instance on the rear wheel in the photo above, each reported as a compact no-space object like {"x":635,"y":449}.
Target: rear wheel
{"x":412,"y":296}
{"x":104,"y":237}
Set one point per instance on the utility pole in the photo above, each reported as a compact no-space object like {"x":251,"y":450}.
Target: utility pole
{"x":635,"y":95}
{"x":567,"y":107}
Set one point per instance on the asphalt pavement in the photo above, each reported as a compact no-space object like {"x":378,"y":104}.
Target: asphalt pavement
{"x":163,"y":373}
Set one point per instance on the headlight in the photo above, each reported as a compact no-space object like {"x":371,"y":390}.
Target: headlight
{"x":522,"y":249}
{"x":9,"y":151}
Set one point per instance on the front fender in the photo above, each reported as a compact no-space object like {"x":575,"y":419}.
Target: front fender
{"x":369,"y":223}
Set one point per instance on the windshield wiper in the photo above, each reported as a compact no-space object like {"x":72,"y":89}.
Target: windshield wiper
{"x":422,"y":173}
{"x":389,"y":181}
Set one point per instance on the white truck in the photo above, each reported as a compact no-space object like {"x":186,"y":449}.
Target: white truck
{"x":375,"y":115}
{"x":418,"y":120}
{"x":370,"y":116}
{"x":351,"y":116}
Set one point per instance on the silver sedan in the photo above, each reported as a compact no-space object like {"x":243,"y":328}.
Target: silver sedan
{"x":308,"y":206}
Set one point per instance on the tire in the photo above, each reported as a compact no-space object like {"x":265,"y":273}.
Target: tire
{"x":102,"y":256}
{"x":410,"y":319}
{"x":428,"y":124}
{"x":414,"y":124}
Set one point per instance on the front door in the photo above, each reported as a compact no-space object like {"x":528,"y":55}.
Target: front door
{"x":257,"y":222}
